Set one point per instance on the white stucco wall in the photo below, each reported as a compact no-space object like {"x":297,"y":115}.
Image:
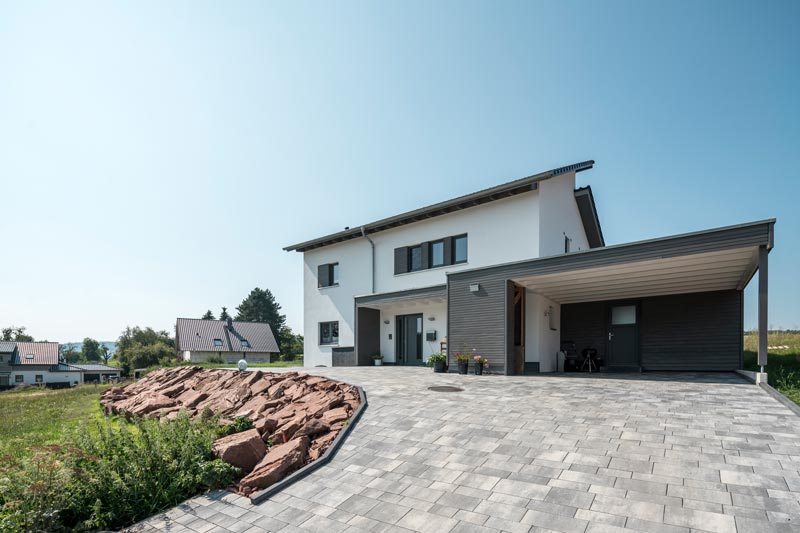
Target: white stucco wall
{"x":560,"y":216}
{"x":228,"y":357}
{"x":498,"y":232}
{"x":29,"y":377}
{"x":541,"y":342}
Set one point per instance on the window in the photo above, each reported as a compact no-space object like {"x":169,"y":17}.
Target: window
{"x":415,"y":258}
{"x":567,"y":242}
{"x":329,"y":333}
{"x":217,"y":342}
{"x":621,"y":315}
{"x":1,"y":358}
{"x":29,"y":356}
{"x":328,"y":275}
{"x":245,"y":343}
{"x":460,"y":249}
{"x":437,"y":254}
{"x":18,"y":379}
{"x":39,"y":378}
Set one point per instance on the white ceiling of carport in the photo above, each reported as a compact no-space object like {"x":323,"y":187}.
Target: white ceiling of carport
{"x":713,"y":271}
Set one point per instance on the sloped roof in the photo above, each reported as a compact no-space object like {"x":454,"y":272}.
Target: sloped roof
{"x":95,"y":368}
{"x":194,"y":334}
{"x":491,"y":194}
{"x":44,"y":353}
{"x":7,"y":347}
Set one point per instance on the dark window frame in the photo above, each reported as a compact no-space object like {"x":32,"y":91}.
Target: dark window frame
{"x":19,"y":378}
{"x":331,"y":268}
{"x":217,"y":342}
{"x":38,"y":378}
{"x":330,"y":340}
{"x":431,"y":256}
{"x":567,"y":244}
{"x":245,"y":343}
{"x":456,"y":238}
{"x":411,"y":258}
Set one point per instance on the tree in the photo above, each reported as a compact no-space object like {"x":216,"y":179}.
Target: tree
{"x":16,"y":334}
{"x":105,"y":353}
{"x":209,"y":315}
{"x":261,"y":306}
{"x":224,"y":314}
{"x":141,"y":348}
{"x":294,"y":345}
{"x":90,"y":350}
{"x":69,"y":354}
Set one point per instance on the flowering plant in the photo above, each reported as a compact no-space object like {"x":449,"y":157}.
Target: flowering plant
{"x":437,"y":357}
{"x":461,"y":358}
{"x":480,"y":360}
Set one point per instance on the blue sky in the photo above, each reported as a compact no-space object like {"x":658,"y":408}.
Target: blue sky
{"x":155,"y":157}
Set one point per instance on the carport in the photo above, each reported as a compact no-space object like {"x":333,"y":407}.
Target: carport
{"x":674,"y":303}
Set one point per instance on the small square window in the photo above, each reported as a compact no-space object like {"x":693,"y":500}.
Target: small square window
{"x":18,"y":379}
{"x":329,"y":332}
{"x":437,"y":254}
{"x":245,"y":343}
{"x":217,"y":342}
{"x":29,"y":356}
{"x":39,"y":378}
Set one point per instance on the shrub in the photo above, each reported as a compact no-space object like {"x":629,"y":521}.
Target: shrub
{"x":215,"y":359}
{"x":240,"y":423}
{"x":113,"y":475}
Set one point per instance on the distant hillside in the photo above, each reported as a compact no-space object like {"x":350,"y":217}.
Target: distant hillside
{"x":112,"y":346}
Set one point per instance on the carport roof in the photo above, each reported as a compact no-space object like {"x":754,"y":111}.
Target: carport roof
{"x":718,"y":259}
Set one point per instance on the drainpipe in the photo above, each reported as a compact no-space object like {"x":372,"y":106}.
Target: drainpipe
{"x":372,"y":245}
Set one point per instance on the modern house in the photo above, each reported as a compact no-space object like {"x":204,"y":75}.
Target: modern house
{"x":197,"y":339}
{"x":516,"y":271}
{"x":39,"y":363}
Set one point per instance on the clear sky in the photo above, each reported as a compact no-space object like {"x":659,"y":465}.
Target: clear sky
{"x":156,"y":156}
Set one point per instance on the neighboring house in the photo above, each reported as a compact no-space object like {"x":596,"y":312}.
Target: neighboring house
{"x":196,"y":340}
{"x":96,"y":373}
{"x":39,"y":363}
{"x":514,"y":271}
{"x":7,"y":350}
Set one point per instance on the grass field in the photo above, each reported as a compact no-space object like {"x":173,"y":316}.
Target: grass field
{"x":276,"y":364}
{"x":783,"y":366}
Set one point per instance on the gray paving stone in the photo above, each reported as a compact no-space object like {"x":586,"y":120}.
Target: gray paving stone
{"x":423,"y":522}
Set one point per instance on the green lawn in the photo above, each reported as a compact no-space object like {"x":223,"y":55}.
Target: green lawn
{"x":276,"y":364}
{"x":783,"y":366}
{"x":35,"y":416}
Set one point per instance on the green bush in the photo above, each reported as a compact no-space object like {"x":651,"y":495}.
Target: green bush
{"x":111,"y":475}
{"x":215,"y":359}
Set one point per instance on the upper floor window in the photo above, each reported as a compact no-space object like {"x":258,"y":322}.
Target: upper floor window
{"x":245,"y":343}
{"x":437,"y":254}
{"x":460,"y":249}
{"x":29,"y":356}
{"x":431,"y":254}
{"x":415,"y":258}
{"x":329,"y":332}
{"x":217,"y":342}
{"x":328,"y":275}
{"x":567,"y":244}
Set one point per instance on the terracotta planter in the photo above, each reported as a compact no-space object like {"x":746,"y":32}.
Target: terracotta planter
{"x":463,"y":368}
{"x":479,"y":369}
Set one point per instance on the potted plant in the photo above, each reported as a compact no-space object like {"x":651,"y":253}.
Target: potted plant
{"x":378,"y":358}
{"x":463,"y":362}
{"x":480,"y":362}
{"x":438,"y":361}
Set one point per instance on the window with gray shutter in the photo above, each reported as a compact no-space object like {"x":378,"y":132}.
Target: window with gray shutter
{"x":401,"y":260}
{"x":323,"y":276}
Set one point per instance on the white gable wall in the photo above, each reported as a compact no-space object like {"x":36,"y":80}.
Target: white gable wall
{"x":560,"y":217}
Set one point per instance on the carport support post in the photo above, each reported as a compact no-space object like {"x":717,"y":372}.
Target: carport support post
{"x":763,"y":284}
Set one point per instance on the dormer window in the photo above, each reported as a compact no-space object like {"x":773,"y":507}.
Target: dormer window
{"x":245,"y":343}
{"x":29,"y":356}
{"x":217,"y":342}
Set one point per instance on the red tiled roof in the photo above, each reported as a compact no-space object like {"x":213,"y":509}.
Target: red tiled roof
{"x":198,"y":335}
{"x":36,"y":353}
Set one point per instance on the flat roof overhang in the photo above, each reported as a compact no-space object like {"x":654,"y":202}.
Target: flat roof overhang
{"x":408,"y":298}
{"x":711,"y":260}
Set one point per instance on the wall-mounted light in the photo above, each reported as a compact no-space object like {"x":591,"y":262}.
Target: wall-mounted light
{"x":386,"y":322}
{"x":431,"y":318}
{"x":474,"y":287}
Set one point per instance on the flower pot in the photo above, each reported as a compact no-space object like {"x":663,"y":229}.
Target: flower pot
{"x":378,"y":362}
{"x":463,"y":368}
{"x":438,"y":367}
{"x":479,"y":369}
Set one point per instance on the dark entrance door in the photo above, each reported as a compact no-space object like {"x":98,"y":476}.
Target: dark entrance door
{"x":623,"y":346}
{"x":409,"y":340}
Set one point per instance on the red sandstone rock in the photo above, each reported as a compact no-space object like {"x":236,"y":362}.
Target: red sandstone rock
{"x":335,"y":415}
{"x":279,"y":461}
{"x":243,"y":450}
{"x":151,"y":403}
{"x":319,"y":445}
{"x":191,"y":397}
{"x":312,"y":427}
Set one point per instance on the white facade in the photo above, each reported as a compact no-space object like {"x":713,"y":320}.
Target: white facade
{"x":229,"y":357}
{"x":28,"y":377}
{"x":520,"y":227}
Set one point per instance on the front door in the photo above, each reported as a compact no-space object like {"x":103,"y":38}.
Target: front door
{"x":623,"y":346}
{"x":409,"y":340}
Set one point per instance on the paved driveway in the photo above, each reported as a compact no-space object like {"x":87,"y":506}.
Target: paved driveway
{"x":671,"y":453}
